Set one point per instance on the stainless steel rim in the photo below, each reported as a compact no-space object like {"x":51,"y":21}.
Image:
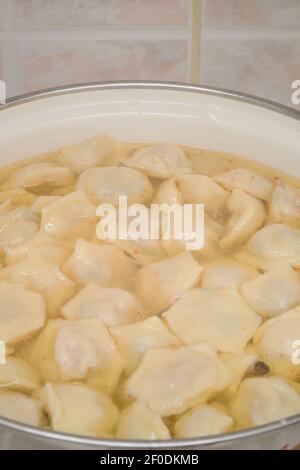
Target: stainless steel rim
{"x":144,"y":84}
{"x":158,"y":444}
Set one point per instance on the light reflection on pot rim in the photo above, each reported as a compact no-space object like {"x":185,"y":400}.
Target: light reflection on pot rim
{"x":155,"y":444}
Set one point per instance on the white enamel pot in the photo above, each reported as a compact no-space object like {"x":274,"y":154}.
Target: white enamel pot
{"x":151,"y":111}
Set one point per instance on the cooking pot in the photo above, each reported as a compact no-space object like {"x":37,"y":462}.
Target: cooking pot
{"x":152,"y":111}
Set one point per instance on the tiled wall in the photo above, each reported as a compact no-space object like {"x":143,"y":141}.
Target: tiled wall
{"x":251,"y":46}
{"x":246,"y":45}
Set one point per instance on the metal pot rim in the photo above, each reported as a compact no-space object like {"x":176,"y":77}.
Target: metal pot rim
{"x":168,"y":86}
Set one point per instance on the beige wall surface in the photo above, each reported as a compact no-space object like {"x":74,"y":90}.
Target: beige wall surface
{"x":251,"y":46}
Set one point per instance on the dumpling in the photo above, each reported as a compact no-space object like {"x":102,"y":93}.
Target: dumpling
{"x":69,"y":218}
{"x":134,"y":340}
{"x":107,"y":184}
{"x":17,"y":226}
{"x":142,"y":251}
{"x":38,"y":174}
{"x":169,"y":381}
{"x":273,"y":292}
{"x":104,"y":265}
{"x":19,"y":407}
{"x":81,"y":157}
{"x":210,"y":248}
{"x":202,"y":189}
{"x":75,"y":350}
{"x":248,"y":215}
{"x":276,"y":341}
{"x":285,"y":205}
{"x":43,"y":201}
{"x":168,"y":193}
{"x":241,"y":365}
{"x":17,"y":374}
{"x":18,"y":197}
{"x":263,"y":400}
{"x":42,"y":245}
{"x":215,"y":225}
{"x":137,"y":422}
{"x":205,"y":420}
{"x":159,"y":284}
{"x":5,"y":207}
{"x":250,"y":182}
{"x":226,"y":273}
{"x":44,"y":277}
{"x":159,"y":160}
{"x":22,"y":313}
{"x":219,"y":317}
{"x":78,"y":409}
{"x":113,"y":306}
{"x":272,"y":246}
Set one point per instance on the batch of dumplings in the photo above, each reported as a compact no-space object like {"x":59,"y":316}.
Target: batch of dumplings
{"x":142,"y":339}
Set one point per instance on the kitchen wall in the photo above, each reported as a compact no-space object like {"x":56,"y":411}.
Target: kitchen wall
{"x":247,"y":45}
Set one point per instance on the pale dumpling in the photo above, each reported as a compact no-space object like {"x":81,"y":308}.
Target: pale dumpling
{"x":17,"y":374}
{"x":241,"y":365}
{"x":262,"y":400}
{"x":5,"y":207}
{"x":139,"y":423}
{"x":17,"y":226}
{"x":22,"y":313}
{"x":211,"y":248}
{"x":160,"y":160}
{"x":43,"y":201}
{"x":219,"y":317}
{"x":19,"y":407}
{"x":273,"y":292}
{"x":168,"y":193}
{"x":285,"y":205}
{"x":107,"y":184}
{"x":272,"y":246}
{"x":78,"y":409}
{"x":277,"y":342}
{"x":69,"y":218}
{"x":248,"y":215}
{"x":38,"y":174}
{"x":159,"y":284}
{"x":17,"y":196}
{"x":113,"y":306}
{"x":134,"y":340}
{"x":44,"y":277}
{"x":142,"y":251}
{"x":205,"y":420}
{"x":104,"y":265}
{"x":202,"y":189}
{"x":169,"y":381}
{"x":56,"y":251}
{"x":226,"y":273}
{"x":250,"y":182}
{"x":81,"y":157}
{"x":73,"y":350}
{"x":193,"y":241}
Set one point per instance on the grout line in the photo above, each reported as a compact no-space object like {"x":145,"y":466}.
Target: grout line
{"x":9,"y":57}
{"x":196,"y":39}
{"x":129,"y":34}
{"x":214,"y":33}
